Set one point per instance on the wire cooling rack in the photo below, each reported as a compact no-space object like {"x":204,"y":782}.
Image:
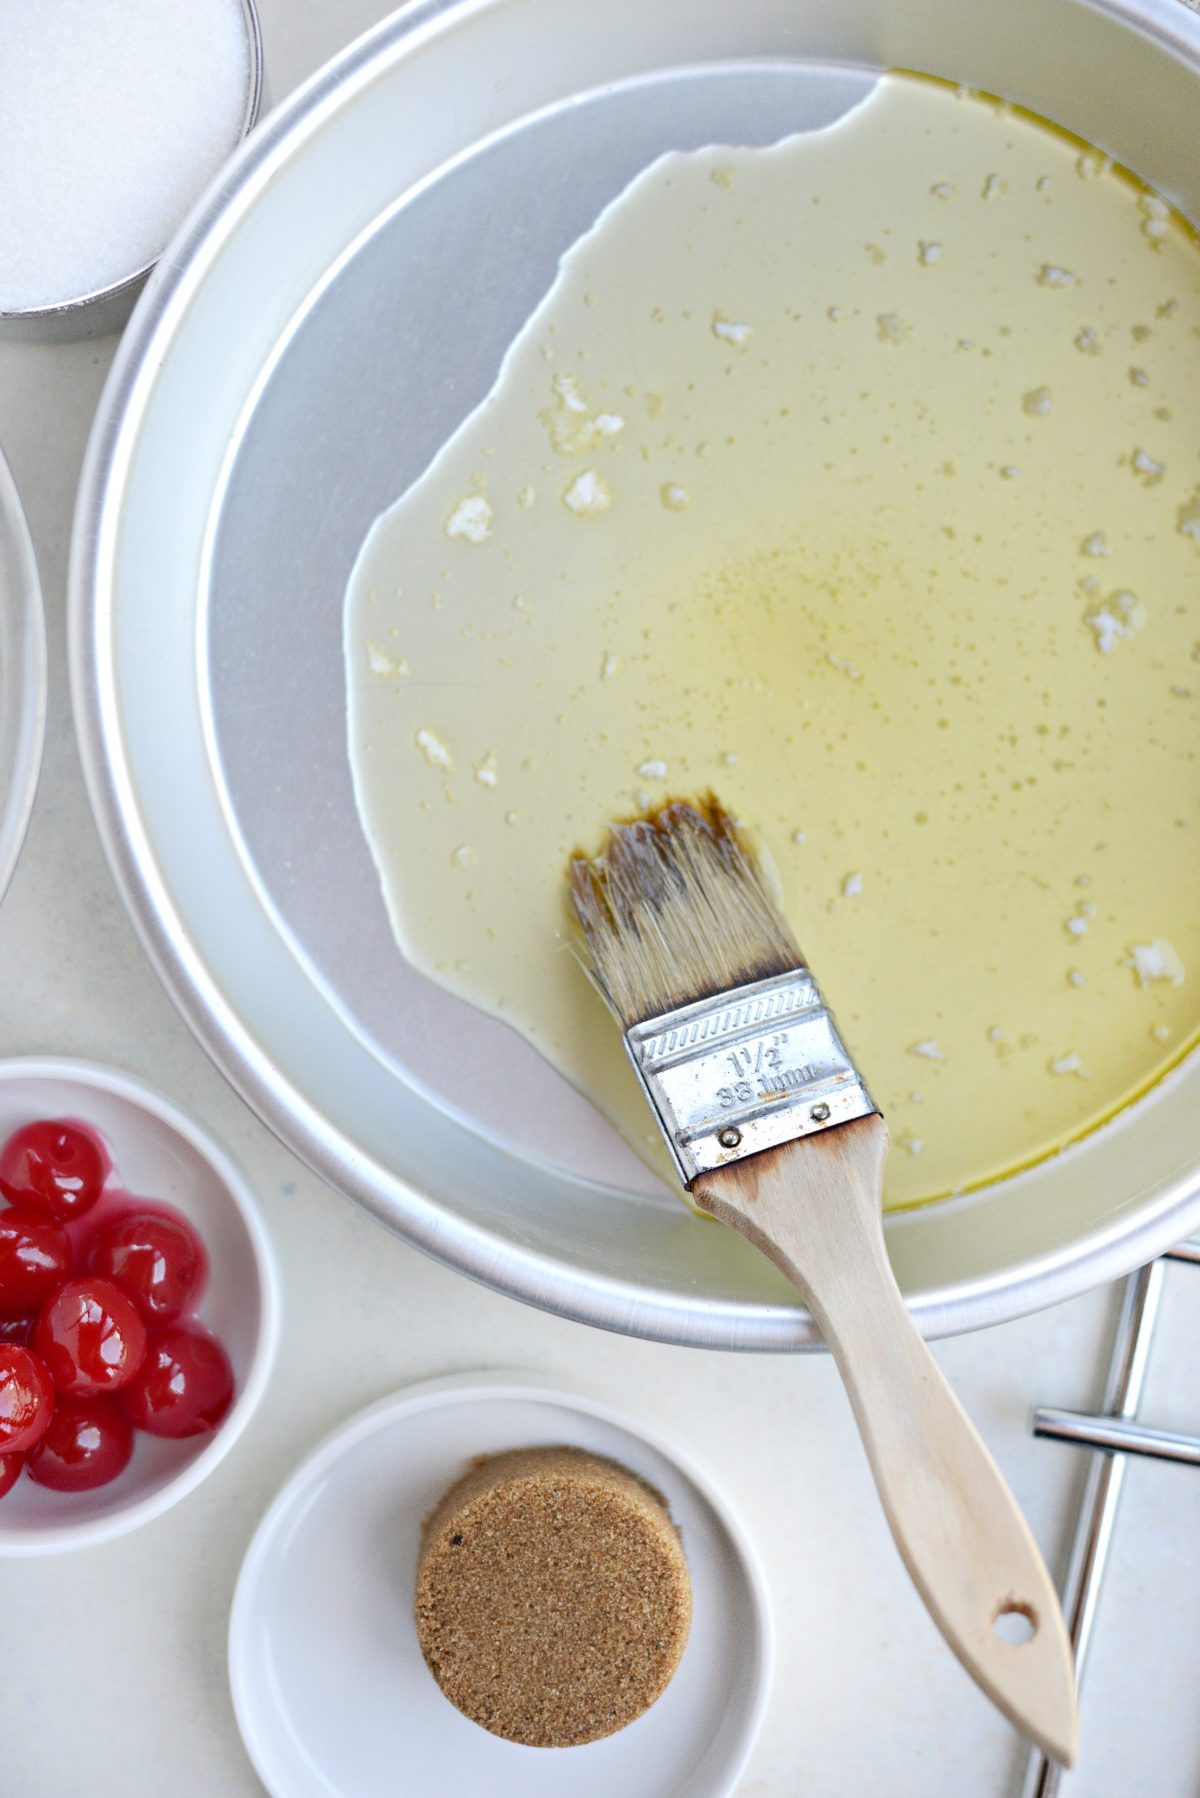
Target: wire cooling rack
{"x":1115,"y":1433}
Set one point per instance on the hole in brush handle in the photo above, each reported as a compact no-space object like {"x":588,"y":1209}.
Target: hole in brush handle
{"x":1015,"y":1622}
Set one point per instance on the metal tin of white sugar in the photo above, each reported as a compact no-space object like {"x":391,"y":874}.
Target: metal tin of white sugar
{"x":116,"y":116}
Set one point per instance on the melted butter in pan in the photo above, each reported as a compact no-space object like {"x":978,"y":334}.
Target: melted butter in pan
{"x":858,"y":479}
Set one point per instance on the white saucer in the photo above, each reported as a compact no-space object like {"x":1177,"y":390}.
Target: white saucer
{"x":332,"y":1695}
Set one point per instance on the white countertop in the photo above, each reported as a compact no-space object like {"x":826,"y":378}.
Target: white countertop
{"x":112,"y":1661}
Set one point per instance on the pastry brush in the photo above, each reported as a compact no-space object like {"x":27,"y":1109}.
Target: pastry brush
{"x":773,"y":1131}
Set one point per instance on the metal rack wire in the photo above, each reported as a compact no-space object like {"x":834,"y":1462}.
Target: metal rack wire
{"x":1117,"y":1432}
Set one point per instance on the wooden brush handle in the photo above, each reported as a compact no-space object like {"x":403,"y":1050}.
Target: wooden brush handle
{"x":813,"y":1206}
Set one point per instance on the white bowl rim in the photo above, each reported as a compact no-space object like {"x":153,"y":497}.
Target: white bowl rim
{"x":22,"y":733}
{"x":60,"y":1538}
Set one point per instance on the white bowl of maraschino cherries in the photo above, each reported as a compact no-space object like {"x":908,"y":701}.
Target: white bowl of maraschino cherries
{"x":138,"y":1306}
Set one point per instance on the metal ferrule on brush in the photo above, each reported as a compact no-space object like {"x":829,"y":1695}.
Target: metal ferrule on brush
{"x":746,"y":1070}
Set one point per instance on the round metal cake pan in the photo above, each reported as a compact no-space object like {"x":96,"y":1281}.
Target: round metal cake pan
{"x":331,"y":311}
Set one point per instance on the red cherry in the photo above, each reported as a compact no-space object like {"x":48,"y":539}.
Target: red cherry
{"x":153,"y":1255}
{"x":54,"y":1167}
{"x":26,"y":1398}
{"x":16,"y":1329}
{"x":184,"y":1385}
{"x":10,"y":1472}
{"x":90,"y":1336}
{"x":35,"y":1254}
{"x":88,"y":1444}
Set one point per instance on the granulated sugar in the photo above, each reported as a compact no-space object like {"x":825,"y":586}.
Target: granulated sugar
{"x":113,"y":116}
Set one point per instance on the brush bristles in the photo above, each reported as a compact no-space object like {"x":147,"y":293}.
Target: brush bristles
{"x":676,"y":909}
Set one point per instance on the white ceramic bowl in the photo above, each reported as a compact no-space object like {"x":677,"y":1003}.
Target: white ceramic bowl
{"x":160,"y":1153}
